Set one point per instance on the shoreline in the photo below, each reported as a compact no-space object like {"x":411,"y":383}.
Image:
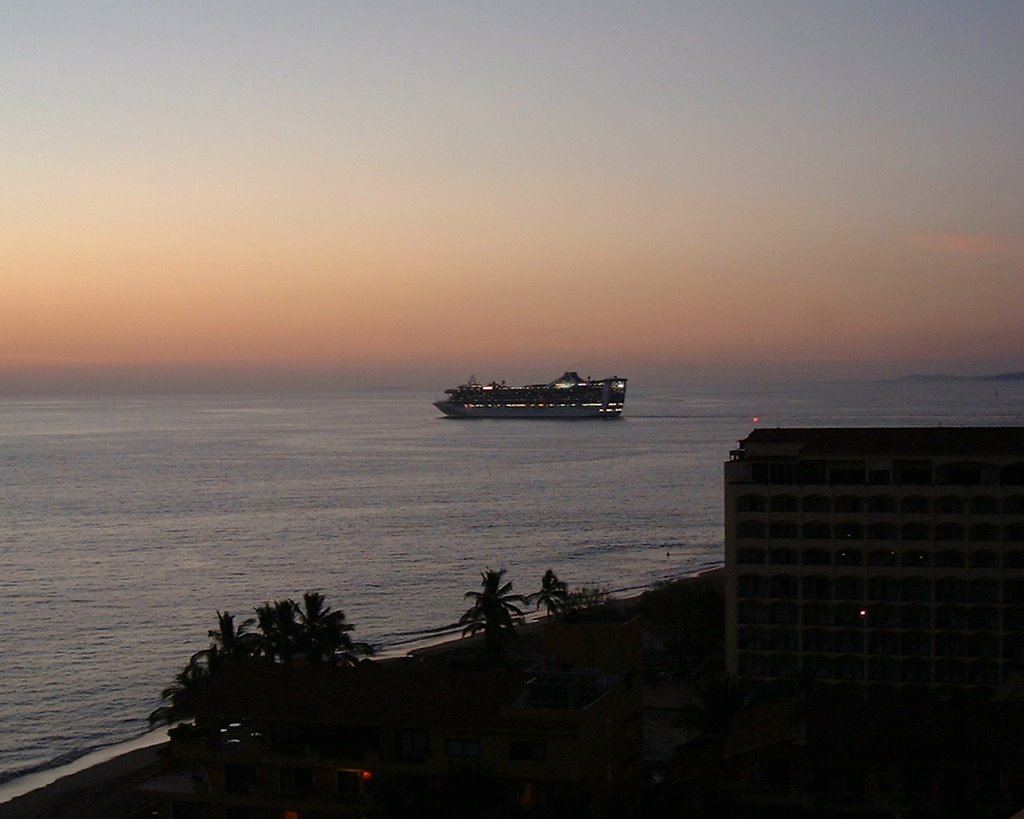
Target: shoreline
{"x":104,"y":770}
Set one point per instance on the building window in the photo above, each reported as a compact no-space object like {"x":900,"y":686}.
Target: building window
{"x":750,"y":503}
{"x":753,"y":638}
{"x":847,"y":476}
{"x":914,"y":474}
{"x":882,"y":557}
{"x":849,"y":531}
{"x":950,"y":559}
{"x":915,"y":644}
{"x":915,"y":590}
{"x":818,"y":640}
{"x":983,"y":505}
{"x":949,"y":531}
{"x":783,"y":556}
{"x":984,"y":532}
{"x":1013,"y":619}
{"x":915,"y":670}
{"x":751,"y":611}
{"x":783,"y":503}
{"x":883,"y":642}
{"x":881,"y":504}
{"x":985,"y":590}
{"x":915,"y":617}
{"x":815,"y":503}
{"x":950,"y":590}
{"x":882,"y":531}
{"x":1014,"y":533}
{"x":984,"y":672}
{"x":1012,"y":475}
{"x":982,"y":618}
{"x":1013,"y":591}
{"x":783,"y":639}
{"x":850,"y":642}
{"x":783,"y":665}
{"x":751,"y":528}
{"x":783,"y":585}
{"x":816,"y":557}
{"x":526,"y":750}
{"x":914,"y":531}
{"x":884,"y":616}
{"x":239,"y":778}
{"x":882,"y":669}
{"x":951,"y":617}
{"x":949,"y":505}
{"x":816,"y":530}
{"x":850,"y":557}
{"x":295,"y":781}
{"x":849,"y":588}
{"x":784,"y":613}
{"x":412,"y":746}
{"x":816,"y":588}
{"x":984,"y":559}
{"x":914,"y":505}
{"x":949,"y":645}
{"x":1014,"y":505}
{"x":750,"y":556}
{"x":816,"y":614}
{"x":884,"y":588}
{"x":462,"y":748}
{"x":752,"y":585}
{"x":915,"y":557}
{"x":848,"y":503}
{"x":783,"y":530}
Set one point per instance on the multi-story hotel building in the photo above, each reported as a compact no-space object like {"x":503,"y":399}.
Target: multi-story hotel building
{"x":877,"y":558}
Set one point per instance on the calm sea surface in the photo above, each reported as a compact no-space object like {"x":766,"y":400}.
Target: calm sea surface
{"x":125,"y":524}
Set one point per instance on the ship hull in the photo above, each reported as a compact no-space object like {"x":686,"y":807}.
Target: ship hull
{"x":455,"y":410}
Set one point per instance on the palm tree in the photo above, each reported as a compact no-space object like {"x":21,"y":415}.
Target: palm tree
{"x":553,"y":594}
{"x":233,"y":642}
{"x":179,"y":696}
{"x":323,"y":633}
{"x":279,"y":629}
{"x":495,"y":612}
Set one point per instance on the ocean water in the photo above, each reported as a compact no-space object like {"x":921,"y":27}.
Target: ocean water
{"x":126,"y":523}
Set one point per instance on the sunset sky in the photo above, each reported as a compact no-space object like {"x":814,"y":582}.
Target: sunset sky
{"x":385,"y":192}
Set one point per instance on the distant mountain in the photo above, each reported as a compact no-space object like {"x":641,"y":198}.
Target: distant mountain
{"x":941,"y":377}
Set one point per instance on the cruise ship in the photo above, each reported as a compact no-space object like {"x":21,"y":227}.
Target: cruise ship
{"x":569,"y":396}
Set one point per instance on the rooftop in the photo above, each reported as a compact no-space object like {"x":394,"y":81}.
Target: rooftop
{"x":887,"y":440}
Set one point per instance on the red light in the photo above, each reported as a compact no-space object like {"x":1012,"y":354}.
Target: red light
{"x":366,"y":776}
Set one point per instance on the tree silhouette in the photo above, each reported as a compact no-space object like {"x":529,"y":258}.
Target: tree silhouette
{"x":553,"y":594}
{"x":495,"y":612}
{"x":286,"y":632}
{"x":179,"y":696}
{"x":323,"y":633}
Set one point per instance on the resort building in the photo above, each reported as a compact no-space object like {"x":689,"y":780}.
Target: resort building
{"x":876,"y":559}
{"x":398,"y":738}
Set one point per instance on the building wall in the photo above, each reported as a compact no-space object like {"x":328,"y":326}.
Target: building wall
{"x":889,"y":569}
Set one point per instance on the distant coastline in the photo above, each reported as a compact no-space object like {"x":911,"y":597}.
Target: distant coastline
{"x":940,"y":377}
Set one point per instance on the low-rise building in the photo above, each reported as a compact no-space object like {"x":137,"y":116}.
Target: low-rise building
{"x":396,"y":738}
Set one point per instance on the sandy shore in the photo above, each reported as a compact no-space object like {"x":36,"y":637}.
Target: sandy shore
{"x":97,"y":791}
{"x":104,"y":789}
